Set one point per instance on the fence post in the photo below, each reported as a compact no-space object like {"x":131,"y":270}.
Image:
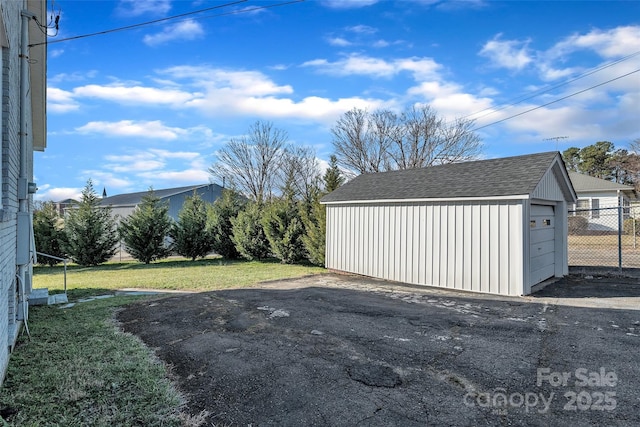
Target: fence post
{"x":620,"y":237}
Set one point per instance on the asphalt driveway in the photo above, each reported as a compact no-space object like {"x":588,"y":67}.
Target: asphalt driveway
{"x":343,"y":351}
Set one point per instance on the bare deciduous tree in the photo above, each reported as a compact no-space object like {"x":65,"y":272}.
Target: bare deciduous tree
{"x":252,"y":162}
{"x":381,"y":141}
{"x":361,"y":140}
{"x":301,"y":170}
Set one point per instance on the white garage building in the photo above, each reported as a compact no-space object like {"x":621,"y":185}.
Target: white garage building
{"x":496,"y":226}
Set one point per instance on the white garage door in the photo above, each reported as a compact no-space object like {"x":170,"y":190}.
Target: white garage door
{"x":542,"y":249}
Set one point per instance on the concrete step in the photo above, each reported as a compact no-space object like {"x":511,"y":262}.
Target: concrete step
{"x":41,"y":297}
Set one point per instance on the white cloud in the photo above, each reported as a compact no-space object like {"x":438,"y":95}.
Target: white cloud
{"x":60,"y":101}
{"x":449,"y":99}
{"x":159,"y":168}
{"x":510,"y":54}
{"x":186,"y":30}
{"x":613,"y":43}
{"x":54,"y":53}
{"x":356,"y":64}
{"x":244,"y":82}
{"x":348,"y":4}
{"x":72,"y":77}
{"x":381,"y":43}
{"x":362,"y":29}
{"x":338,"y":41}
{"x":166,"y":154}
{"x":134,"y":94}
{"x":47,"y":193}
{"x":129,"y":128}
{"x":610,"y":45}
{"x":144,"y":7}
{"x":172,"y":177}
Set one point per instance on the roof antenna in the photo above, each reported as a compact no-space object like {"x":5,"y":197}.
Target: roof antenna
{"x":556,"y":138}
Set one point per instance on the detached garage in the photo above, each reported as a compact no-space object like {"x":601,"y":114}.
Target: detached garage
{"x":497,"y":226}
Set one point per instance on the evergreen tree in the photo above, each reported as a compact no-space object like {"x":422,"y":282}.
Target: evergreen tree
{"x":48,"y":231}
{"x":315,"y":224}
{"x":192,"y":239}
{"x":314,"y":217}
{"x":333,"y":177}
{"x":219,"y":226}
{"x":145,"y":231}
{"x":248,"y":234}
{"x":284,"y":230}
{"x":90,"y":230}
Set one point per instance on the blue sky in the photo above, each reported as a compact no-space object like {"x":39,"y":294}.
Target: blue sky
{"x":149,"y":107}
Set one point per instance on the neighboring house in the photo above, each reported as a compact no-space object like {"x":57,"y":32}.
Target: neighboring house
{"x":123,"y":205}
{"x":597,"y":198}
{"x":497,"y":226}
{"x":23,"y":118}
{"x":63,"y":205}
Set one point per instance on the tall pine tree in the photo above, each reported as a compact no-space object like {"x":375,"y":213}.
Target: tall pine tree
{"x":248,"y":233}
{"x":48,"y":231}
{"x":333,"y":177}
{"x":145,"y":231}
{"x":219,"y":226}
{"x":315,"y":216}
{"x":90,"y":230}
{"x":191,"y":237}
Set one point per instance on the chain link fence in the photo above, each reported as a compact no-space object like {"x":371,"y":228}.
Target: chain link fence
{"x":605,"y":237}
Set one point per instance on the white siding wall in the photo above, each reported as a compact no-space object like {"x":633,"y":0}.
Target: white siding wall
{"x":473,"y":246}
{"x":604,"y":219}
{"x":10,"y":15}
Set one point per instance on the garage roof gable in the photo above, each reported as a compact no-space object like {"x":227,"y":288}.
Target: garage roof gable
{"x":503,"y":177}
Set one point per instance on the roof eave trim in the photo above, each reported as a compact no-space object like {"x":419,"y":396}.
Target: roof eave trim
{"x":439,"y":199}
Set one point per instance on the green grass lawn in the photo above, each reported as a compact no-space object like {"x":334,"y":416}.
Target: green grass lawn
{"x":79,"y":369}
{"x":173,"y":274}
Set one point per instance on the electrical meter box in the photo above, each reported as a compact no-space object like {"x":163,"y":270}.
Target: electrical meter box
{"x":23,"y":238}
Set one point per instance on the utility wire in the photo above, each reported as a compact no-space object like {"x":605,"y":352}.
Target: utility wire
{"x":517,"y":101}
{"x":182,"y":15}
{"x":556,"y":100}
{"x":129,"y":27}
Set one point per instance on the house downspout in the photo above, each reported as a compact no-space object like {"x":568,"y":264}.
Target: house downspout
{"x":24,"y":218}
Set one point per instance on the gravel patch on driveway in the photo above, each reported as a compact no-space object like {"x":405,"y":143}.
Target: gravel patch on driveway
{"x":342,"y":351}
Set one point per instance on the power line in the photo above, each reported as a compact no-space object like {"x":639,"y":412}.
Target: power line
{"x":517,"y":101}
{"x":169,"y":18}
{"x":554,"y":101}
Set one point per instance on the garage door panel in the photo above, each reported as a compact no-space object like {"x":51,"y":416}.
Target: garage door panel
{"x":542,"y":235}
{"x":541,"y":210}
{"x":538,"y":262}
{"x":542,"y":243}
{"x":538,"y":276}
{"x":543,"y":248}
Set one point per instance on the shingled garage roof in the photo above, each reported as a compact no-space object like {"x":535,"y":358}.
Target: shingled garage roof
{"x":507,"y":176}
{"x":132,"y":199}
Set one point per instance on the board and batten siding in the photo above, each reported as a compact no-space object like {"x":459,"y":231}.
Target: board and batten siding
{"x":472,"y":246}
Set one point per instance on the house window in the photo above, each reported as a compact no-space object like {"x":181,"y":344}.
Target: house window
{"x":595,"y":205}
{"x":582,"y":207}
